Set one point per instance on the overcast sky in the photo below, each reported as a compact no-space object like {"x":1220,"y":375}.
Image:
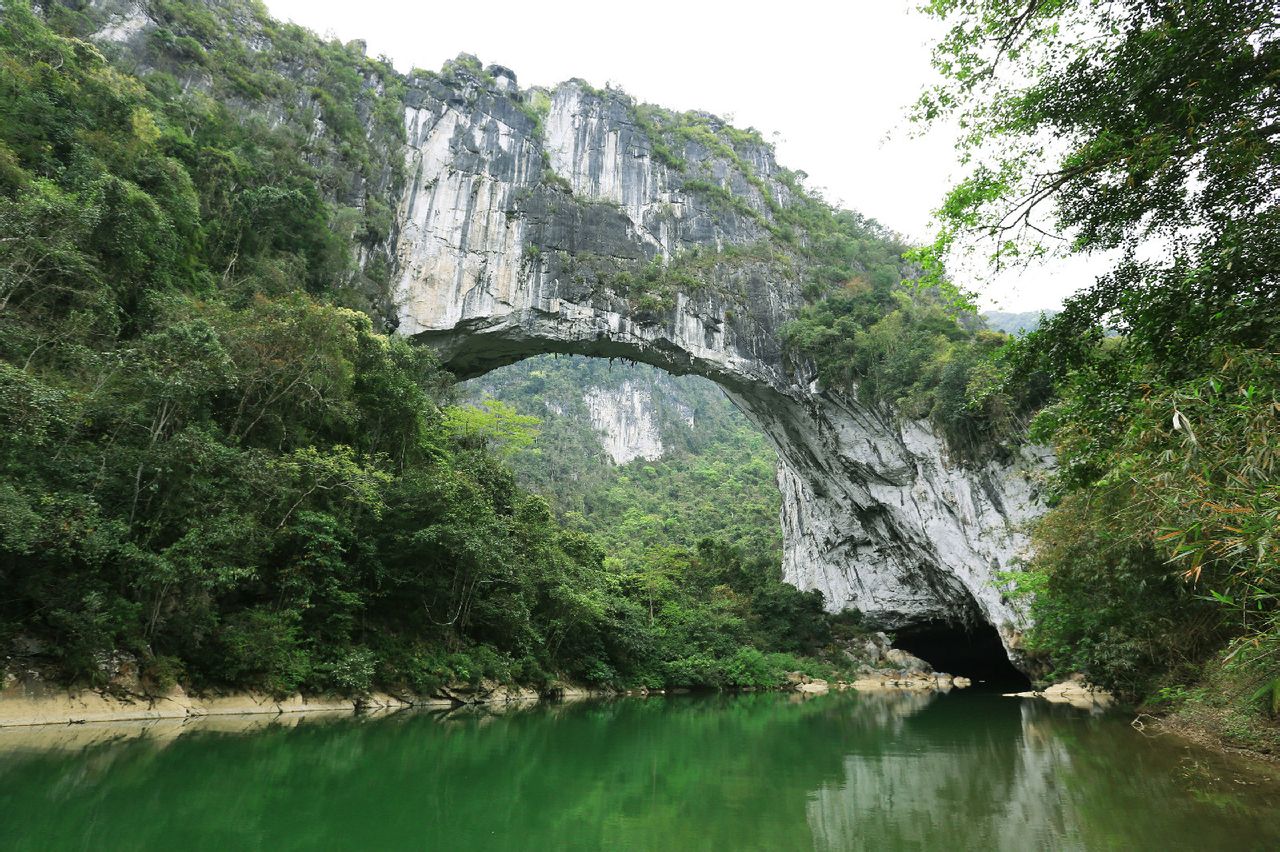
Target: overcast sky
{"x":828,"y":82}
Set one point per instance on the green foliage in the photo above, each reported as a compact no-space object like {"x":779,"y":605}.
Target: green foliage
{"x":203,"y":465}
{"x":491,"y":423}
{"x":1166,"y":114}
{"x":537,"y":106}
{"x":724,"y":199}
{"x":651,"y":121}
{"x":919,"y":360}
{"x":1160,"y":558}
{"x":749,"y":667}
{"x":269,"y":187}
{"x":209,"y":463}
{"x":1236,"y":698}
{"x":1168,"y":518}
{"x":912,"y":348}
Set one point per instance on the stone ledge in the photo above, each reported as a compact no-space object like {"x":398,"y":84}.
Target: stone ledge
{"x":1075,"y":691}
{"x":34,"y":704}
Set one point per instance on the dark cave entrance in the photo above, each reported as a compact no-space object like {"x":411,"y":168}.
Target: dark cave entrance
{"x":973,"y":650}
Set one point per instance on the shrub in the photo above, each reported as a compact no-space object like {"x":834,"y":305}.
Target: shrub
{"x":353,"y":672}
{"x":261,"y":647}
{"x":693,"y":670}
{"x":749,"y":667}
{"x":163,"y":673}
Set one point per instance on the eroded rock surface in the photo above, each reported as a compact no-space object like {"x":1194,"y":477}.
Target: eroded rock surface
{"x":625,"y":420}
{"x":515,"y":236}
{"x":529,"y":221}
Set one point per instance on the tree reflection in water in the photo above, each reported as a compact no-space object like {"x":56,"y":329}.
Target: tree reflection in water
{"x":764,"y":771}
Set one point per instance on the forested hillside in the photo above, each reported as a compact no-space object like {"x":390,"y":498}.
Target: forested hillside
{"x":214,"y":467}
{"x":714,"y":477}
{"x":1016,"y":322}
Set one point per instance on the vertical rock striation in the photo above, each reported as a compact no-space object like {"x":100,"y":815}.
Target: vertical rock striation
{"x":549,"y":221}
{"x":522,"y":232}
{"x":626,"y":422}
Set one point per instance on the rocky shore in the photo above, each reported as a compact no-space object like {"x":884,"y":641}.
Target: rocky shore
{"x":27,"y":699}
{"x":881,"y":667}
{"x":33,"y":702}
{"x":1075,"y":690}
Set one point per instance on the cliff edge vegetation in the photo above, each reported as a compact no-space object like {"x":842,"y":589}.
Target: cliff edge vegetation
{"x":213,"y":463}
{"x":1157,"y":571}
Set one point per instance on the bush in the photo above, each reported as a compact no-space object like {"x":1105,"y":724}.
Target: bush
{"x":694,"y":670}
{"x":600,"y":673}
{"x":1162,"y":546}
{"x":749,"y":667}
{"x":260,"y":647}
{"x":353,"y":672}
{"x":423,"y":670}
{"x":163,"y":673}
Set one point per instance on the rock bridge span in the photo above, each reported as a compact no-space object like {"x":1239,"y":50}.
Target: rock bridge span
{"x":562,"y":221}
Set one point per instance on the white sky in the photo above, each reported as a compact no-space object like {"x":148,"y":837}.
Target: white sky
{"x":828,"y":82}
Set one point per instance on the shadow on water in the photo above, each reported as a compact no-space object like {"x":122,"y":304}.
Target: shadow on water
{"x":765,"y":771}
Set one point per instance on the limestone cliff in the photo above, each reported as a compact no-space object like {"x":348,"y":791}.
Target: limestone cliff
{"x":576,"y":221}
{"x":524,"y":233}
{"x":625,"y":420}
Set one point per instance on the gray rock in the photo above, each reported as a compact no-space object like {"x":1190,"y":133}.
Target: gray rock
{"x":903,"y":661}
{"x":496,"y":265}
{"x":512,"y":236}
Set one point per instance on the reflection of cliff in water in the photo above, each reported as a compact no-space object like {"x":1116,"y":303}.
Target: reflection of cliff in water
{"x":1022,"y":775}
{"x":931,"y":779}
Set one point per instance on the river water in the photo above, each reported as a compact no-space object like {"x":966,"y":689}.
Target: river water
{"x":966,"y":770}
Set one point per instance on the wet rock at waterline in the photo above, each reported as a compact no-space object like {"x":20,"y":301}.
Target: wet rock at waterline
{"x":1075,"y":690}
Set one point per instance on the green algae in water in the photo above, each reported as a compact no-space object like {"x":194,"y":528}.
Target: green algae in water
{"x":767,"y":771}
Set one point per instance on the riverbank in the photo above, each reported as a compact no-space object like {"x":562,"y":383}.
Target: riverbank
{"x":1208,"y":735}
{"x":29,"y":698}
{"x":27,"y":704}
{"x":35,"y":703}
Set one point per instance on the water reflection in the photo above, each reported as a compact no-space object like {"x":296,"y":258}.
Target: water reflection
{"x":1017,"y":775}
{"x":842,"y":771}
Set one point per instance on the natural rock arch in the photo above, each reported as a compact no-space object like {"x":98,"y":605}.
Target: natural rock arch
{"x":522,"y":232}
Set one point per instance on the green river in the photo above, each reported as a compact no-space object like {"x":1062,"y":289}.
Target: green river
{"x":966,"y":770}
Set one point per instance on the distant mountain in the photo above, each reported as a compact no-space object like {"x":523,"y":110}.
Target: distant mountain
{"x":643,"y":460}
{"x":1017,"y":323}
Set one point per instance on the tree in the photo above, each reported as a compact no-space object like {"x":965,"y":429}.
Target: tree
{"x":1149,"y":128}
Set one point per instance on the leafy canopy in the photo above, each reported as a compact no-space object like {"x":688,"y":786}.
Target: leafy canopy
{"x":1146,"y":128}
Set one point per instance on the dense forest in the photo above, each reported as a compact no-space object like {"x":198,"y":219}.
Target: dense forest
{"x":216,"y":466}
{"x":1157,"y":569}
{"x":215,"y":461}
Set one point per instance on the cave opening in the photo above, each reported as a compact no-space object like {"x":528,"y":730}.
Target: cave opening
{"x":972,"y":650}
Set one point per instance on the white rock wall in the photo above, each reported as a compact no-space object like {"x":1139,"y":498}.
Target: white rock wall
{"x":624,"y":418}
{"x":874,"y":513}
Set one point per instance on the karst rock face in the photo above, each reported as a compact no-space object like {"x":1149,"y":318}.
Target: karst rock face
{"x":547,"y":221}
{"x":518,"y":235}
